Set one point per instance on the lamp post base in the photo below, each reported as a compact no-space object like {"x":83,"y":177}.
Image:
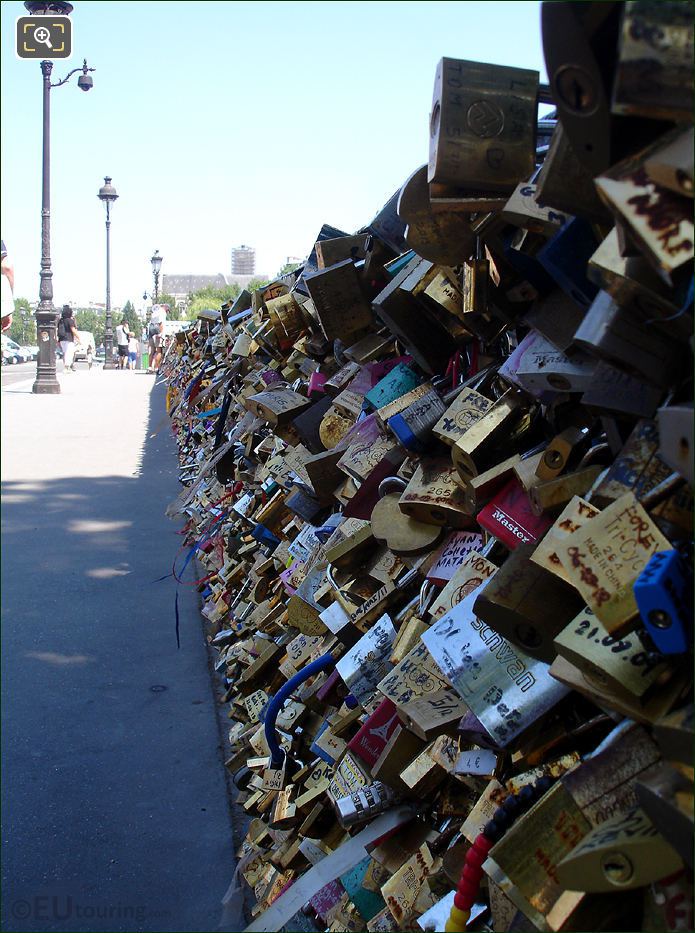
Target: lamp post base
{"x":46,"y":382}
{"x":109,"y":365}
{"x":46,"y":387}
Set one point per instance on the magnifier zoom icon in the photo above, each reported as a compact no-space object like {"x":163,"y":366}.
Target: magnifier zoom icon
{"x":43,"y":35}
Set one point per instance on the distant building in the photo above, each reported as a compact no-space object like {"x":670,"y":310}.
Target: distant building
{"x":243,"y":260}
{"x":181,"y":286}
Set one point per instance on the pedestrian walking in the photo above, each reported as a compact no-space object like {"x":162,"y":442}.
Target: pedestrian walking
{"x":68,"y":337}
{"x":132,"y":351}
{"x":7,"y":289}
{"x":156,"y":336}
{"x":122,"y":338}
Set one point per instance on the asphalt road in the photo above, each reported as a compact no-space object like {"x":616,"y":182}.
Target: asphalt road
{"x":115,"y":808}
{"x":20,"y":372}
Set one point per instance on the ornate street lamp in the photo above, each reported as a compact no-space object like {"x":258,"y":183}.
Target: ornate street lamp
{"x":46,"y":381}
{"x":156,"y":261}
{"x":156,"y":269}
{"x":107,"y":195}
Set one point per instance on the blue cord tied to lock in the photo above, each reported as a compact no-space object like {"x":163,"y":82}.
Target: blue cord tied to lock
{"x":277,"y":755}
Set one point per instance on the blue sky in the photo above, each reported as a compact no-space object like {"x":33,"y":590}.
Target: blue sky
{"x":228,"y":123}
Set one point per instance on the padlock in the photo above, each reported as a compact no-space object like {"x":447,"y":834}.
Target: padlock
{"x":565,"y":257}
{"x":654,"y":68}
{"x":467,"y":407}
{"x":626,"y":852}
{"x":364,"y":804}
{"x":277,"y":406}
{"x":340,"y":303}
{"x":663,"y":592}
{"x":634,"y":284}
{"x":659,"y":221}
{"x":552,"y":495}
{"x":622,"y":665}
{"x":527,"y":605}
{"x":524,"y":210}
{"x":511,"y":517}
{"x":538,"y":367}
{"x":471,"y":453}
{"x":505,"y":688}
{"x":666,"y":796}
{"x":434,"y":497}
{"x":566,"y":184}
{"x":331,"y":251}
{"x":676,"y":438}
{"x":413,"y":426}
{"x":327,"y":232}
{"x":444,"y":236}
{"x":561,"y":448}
{"x":604,"y":558}
{"x":672,"y":165}
{"x":476,"y":272}
{"x":424,"y":337}
{"x":482,"y":125}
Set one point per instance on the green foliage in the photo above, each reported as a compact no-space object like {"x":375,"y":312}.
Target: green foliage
{"x":23,"y":328}
{"x":210,"y":297}
{"x":166,"y":299}
{"x":289,"y":267}
{"x":131,"y":316}
{"x":92,"y":321}
{"x":255,"y":284}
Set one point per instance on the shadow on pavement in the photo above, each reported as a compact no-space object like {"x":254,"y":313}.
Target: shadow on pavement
{"x":115,"y":807}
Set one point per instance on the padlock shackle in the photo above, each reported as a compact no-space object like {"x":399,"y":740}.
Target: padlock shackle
{"x":277,"y":755}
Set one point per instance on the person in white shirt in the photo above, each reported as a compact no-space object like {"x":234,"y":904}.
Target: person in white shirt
{"x":156,"y":336}
{"x":132,"y":351}
{"x":122,"y":338}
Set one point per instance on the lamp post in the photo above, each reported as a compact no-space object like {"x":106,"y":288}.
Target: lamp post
{"x":46,"y":380}
{"x":156,"y":261}
{"x":107,"y":195}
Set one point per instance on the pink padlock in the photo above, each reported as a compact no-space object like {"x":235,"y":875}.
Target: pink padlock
{"x":316,"y":382}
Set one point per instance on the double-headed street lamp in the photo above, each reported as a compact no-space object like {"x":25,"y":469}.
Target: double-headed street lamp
{"x":107,"y":195}
{"x":46,"y":381}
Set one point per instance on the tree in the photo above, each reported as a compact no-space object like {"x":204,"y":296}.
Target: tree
{"x":210,"y":297}
{"x":289,"y":267}
{"x":166,"y":299}
{"x":255,"y":284}
{"x":23,"y":328}
{"x":90,"y":320}
{"x":131,"y":316}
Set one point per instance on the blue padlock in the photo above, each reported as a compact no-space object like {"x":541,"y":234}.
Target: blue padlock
{"x":565,"y":258}
{"x":663,"y":592}
{"x":266,"y":537}
{"x":401,"y":429}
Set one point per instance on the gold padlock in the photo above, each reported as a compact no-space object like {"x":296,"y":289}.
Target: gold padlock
{"x":482,"y":126}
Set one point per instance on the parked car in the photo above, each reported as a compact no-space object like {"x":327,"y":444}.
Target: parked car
{"x":86,"y":344}
{"x":23,"y":353}
{"x":9,"y":357}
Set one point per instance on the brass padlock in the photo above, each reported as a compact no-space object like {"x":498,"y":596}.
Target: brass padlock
{"x":443,"y":237}
{"x":623,"y":853}
{"x":340,"y":303}
{"x":482,"y":126}
{"x":655,"y":61}
{"x":471,"y":452}
{"x":527,"y":605}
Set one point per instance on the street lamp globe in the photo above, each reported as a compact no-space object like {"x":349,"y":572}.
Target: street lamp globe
{"x":48,"y":7}
{"x":156,"y":262}
{"x":107,"y":192}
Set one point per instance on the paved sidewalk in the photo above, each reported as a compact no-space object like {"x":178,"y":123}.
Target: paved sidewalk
{"x":115,"y":809}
